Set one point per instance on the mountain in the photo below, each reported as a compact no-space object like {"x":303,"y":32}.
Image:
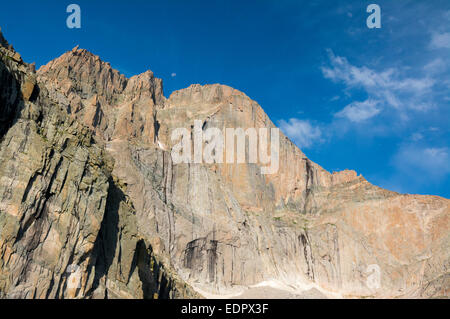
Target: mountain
{"x":88,"y":181}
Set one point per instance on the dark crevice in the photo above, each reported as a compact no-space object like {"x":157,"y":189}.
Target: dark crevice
{"x":309,"y":183}
{"x":152,"y":275}
{"x":106,"y":242}
{"x":156,"y":127}
{"x":10,"y":98}
{"x":307,"y":252}
{"x":35,"y":94}
{"x":155,"y":283}
{"x":212,"y":260}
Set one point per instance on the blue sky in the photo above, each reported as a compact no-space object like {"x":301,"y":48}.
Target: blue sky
{"x":373,"y":100}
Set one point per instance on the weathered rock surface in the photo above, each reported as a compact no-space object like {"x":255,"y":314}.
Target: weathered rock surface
{"x":61,"y":206}
{"x":87,"y":178}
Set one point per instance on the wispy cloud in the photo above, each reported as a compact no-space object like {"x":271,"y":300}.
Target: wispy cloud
{"x":423,"y":162}
{"x":440,"y":41}
{"x":416,"y":136}
{"x":359,"y":111}
{"x":302,"y":132}
{"x":335,"y":98}
{"x":396,"y":95}
{"x":438,"y":65}
{"x":386,"y":88}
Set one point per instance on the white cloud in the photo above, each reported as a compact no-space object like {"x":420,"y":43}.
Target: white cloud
{"x":440,"y":41}
{"x":436,"y":66}
{"x":388,"y":88}
{"x":378,"y":83}
{"x":417,"y":137}
{"x":359,"y":111}
{"x":302,"y":132}
{"x":173,"y":75}
{"x":335,"y":98}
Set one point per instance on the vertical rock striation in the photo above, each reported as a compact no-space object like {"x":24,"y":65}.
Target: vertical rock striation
{"x":87,"y":178}
{"x":60,"y":206}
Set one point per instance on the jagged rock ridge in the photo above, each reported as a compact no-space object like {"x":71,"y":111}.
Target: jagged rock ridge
{"x":61,"y":206}
{"x":99,"y":189}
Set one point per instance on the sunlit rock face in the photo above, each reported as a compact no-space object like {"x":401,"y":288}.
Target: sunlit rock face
{"x":87,"y":178}
{"x":67,"y":228}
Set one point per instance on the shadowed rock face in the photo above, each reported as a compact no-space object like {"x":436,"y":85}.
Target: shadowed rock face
{"x":87,"y":178}
{"x":61,"y":206}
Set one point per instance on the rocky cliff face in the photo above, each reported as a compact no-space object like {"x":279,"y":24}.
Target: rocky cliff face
{"x":60,"y":205}
{"x":87,"y":179}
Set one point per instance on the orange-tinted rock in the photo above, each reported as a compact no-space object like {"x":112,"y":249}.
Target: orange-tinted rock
{"x":224,"y":226}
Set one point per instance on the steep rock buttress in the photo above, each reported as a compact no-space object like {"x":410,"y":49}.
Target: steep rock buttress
{"x":89,"y":180}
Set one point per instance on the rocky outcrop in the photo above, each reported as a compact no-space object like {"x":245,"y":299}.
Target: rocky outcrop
{"x":60,"y":207}
{"x":88,"y":179}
